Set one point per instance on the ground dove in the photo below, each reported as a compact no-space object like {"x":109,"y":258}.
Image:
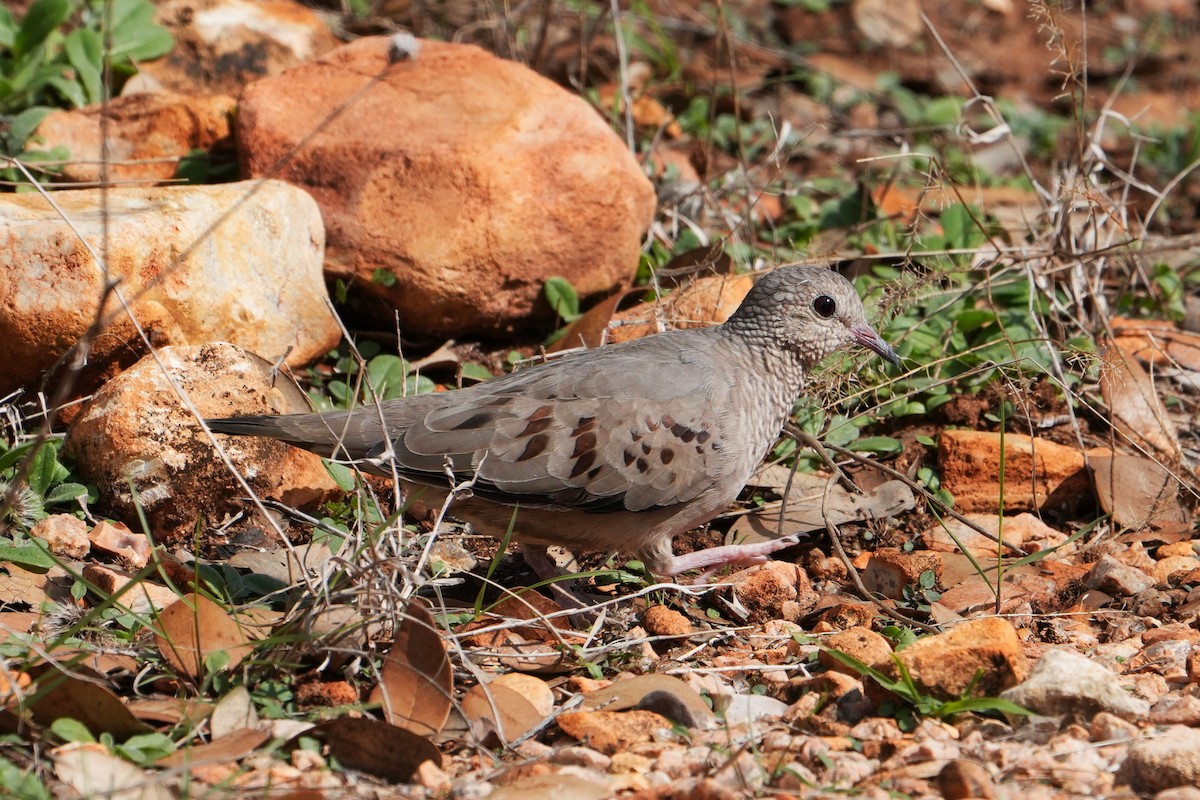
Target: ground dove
{"x":619,"y":448}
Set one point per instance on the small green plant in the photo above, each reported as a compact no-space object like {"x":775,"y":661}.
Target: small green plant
{"x":915,"y":703}
{"x":386,"y":377}
{"x":55,"y":56}
{"x":20,"y":785}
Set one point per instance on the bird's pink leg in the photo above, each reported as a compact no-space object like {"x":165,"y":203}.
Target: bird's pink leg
{"x":713,"y":557}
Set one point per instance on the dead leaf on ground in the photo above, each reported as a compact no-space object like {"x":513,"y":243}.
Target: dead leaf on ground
{"x":416,"y":683}
{"x":1137,"y":491}
{"x":663,"y":694}
{"x":1158,"y":342}
{"x":195,"y":628}
{"x":92,"y":771}
{"x":233,"y":712}
{"x":284,"y":565}
{"x":499,"y":710}
{"x":233,"y":746}
{"x":556,"y":786}
{"x":808,"y":508}
{"x":55,"y":695}
{"x":373,"y":747}
{"x":1133,"y":402}
{"x":170,"y":710}
{"x":894,"y":23}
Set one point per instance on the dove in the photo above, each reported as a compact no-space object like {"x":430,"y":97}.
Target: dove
{"x":617,"y":448}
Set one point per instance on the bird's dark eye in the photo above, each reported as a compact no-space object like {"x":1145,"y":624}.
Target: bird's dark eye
{"x":824,"y":306}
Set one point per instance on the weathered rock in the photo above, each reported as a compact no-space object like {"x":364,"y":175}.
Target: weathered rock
{"x":235,"y":262}
{"x":147,"y":135}
{"x":861,"y":643}
{"x":1038,"y":474}
{"x":1167,"y":761}
{"x":774,"y":590}
{"x":64,"y":535}
{"x":1119,"y":580}
{"x":466,"y":179}
{"x":142,"y":448}
{"x":984,"y":655}
{"x":1063,"y":682}
{"x":222,"y":45}
{"x":889,"y":570}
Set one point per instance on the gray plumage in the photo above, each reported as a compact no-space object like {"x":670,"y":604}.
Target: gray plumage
{"x":617,"y":448}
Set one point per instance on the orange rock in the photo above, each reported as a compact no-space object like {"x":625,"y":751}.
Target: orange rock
{"x":890,"y":569}
{"x":860,"y":643}
{"x":663,"y":621}
{"x":775,"y":590}
{"x":147,"y":134}
{"x":468,"y":179}
{"x":612,"y":731}
{"x":1038,"y":474}
{"x":946,"y":665}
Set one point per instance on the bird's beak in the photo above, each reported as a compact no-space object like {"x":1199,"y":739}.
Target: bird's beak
{"x":866,"y":336}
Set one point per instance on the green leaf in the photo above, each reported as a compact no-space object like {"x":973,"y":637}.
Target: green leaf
{"x":342,"y":475}
{"x":883,"y":445}
{"x":84,"y":51}
{"x":135,"y":35}
{"x":562,"y":298}
{"x":28,"y":554}
{"x":42,"y":469}
{"x":386,"y":374}
{"x":475,"y":372}
{"x":71,"y":730}
{"x":65,"y":493}
{"x":22,"y":126}
{"x":42,"y":19}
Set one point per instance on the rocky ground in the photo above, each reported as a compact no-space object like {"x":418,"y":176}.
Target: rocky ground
{"x":997,"y":596}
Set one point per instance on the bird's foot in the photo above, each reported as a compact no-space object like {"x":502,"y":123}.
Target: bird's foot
{"x":713,"y":558}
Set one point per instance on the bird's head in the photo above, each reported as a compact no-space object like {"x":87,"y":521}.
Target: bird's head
{"x":809,"y":310}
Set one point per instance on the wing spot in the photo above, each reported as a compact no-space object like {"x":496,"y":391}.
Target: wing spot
{"x":668,"y":421}
{"x":642,"y":465}
{"x":652,"y":425}
{"x":594,"y":473}
{"x":635,"y":436}
{"x":646,"y":448}
{"x":583,"y":463}
{"x":629,"y":458}
{"x":536,"y":426}
{"x":667,"y":455}
{"x":542,"y":412}
{"x":682,"y":432}
{"x":703,"y":436}
{"x":584,"y":444}
{"x":586,"y":424}
{"x":535,"y":447}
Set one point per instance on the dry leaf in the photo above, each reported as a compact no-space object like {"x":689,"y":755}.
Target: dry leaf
{"x":59,"y":695}
{"x":535,"y":690}
{"x":416,"y":682}
{"x":808,"y":508}
{"x":895,"y":23}
{"x":501,"y":711}
{"x":371,"y":746}
{"x":1134,"y":405}
{"x":92,"y":771}
{"x":1137,"y":492}
{"x":554,"y":786}
{"x":650,"y":692}
{"x":233,"y":746}
{"x":233,"y":712}
{"x":170,"y":710}
{"x":195,"y":628}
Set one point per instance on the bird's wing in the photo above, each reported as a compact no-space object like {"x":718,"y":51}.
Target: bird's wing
{"x":614,"y":433}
